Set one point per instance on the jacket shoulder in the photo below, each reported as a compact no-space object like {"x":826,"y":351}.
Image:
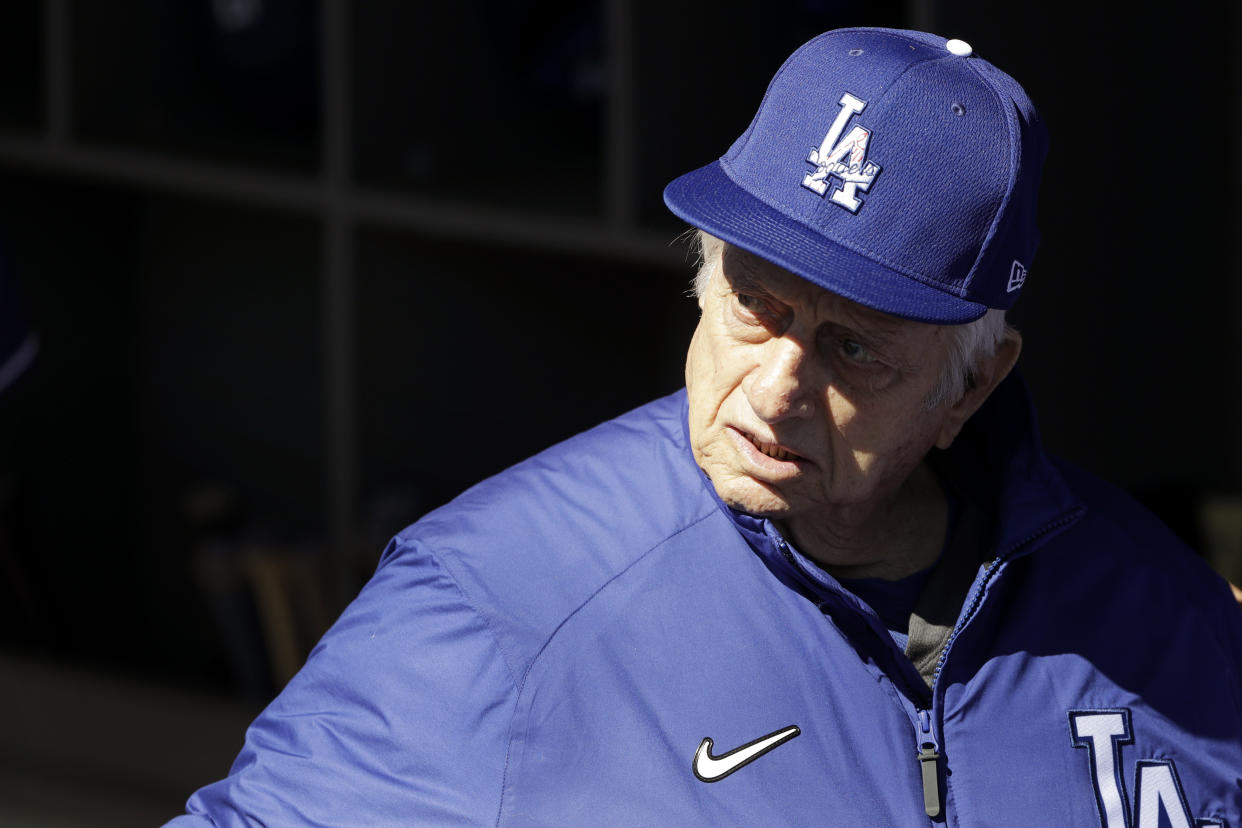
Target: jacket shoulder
{"x":1130,"y":528}
{"x":1161,"y":580}
{"x":531,"y":545}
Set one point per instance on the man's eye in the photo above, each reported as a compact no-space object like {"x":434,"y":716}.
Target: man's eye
{"x":855,"y":351}
{"x":750,"y":307}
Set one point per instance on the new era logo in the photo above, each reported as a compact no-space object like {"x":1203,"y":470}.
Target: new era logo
{"x":1017,"y":276}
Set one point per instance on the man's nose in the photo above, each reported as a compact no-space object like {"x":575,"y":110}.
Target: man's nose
{"x":778,"y":388}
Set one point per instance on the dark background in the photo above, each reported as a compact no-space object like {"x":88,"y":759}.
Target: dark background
{"x":301,"y":271}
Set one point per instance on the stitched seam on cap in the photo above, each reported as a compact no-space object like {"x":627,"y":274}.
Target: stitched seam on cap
{"x":1015,"y":161}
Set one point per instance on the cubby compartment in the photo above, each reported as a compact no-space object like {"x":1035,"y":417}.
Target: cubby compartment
{"x":234,"y":82}
{"x":22,"y":62}
{"x":491,"y":104}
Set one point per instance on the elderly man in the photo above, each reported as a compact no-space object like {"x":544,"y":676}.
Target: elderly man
{"x":834,"y":582}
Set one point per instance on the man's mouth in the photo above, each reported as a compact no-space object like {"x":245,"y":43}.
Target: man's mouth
{"x":774,"y":450}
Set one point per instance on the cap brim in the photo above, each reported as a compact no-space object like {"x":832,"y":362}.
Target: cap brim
{"x":709,"y":199}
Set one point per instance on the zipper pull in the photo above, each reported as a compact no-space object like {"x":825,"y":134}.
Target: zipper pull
{"x":928,"y":759}
{"x":929,"y":764}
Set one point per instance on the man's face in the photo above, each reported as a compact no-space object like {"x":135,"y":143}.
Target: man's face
{"x":806,"y":407}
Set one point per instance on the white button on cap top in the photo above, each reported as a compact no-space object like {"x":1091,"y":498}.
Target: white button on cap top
{"x":959,"y":47}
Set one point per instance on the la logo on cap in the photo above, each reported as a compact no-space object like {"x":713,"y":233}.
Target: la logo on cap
{"x":843,"y":158}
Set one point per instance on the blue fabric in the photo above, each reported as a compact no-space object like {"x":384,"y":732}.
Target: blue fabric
{"x":893,"y":601}
{"x":552,"y":647}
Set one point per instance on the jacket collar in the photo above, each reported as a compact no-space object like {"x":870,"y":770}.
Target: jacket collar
{"x":999,"y":462}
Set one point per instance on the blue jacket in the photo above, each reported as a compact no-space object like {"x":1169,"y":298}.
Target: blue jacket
{"x":557,"y":645}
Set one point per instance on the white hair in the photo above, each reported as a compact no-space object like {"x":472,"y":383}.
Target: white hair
{"x":708,"y":250}
{"x":970,"y":343}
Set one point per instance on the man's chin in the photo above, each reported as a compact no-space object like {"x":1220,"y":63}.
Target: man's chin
{"x":754,"y":498}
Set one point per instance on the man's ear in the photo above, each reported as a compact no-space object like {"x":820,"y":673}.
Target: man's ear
{"x":986,"y":377}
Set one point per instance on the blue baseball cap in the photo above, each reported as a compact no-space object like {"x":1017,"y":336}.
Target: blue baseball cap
{"x":894,"y":168}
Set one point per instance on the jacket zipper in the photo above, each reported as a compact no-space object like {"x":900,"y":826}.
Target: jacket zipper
{"x":927,"y":747}
{"x":929,"y":763}
{"x":926,"y":744}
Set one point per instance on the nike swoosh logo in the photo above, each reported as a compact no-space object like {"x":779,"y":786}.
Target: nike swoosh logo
{"x":710,"y":768}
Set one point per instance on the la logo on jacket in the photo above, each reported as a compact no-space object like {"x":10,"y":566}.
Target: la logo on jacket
{"x":1157,"y":789}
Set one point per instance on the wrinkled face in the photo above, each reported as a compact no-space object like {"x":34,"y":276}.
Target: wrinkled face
{"x":805,"y":406}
